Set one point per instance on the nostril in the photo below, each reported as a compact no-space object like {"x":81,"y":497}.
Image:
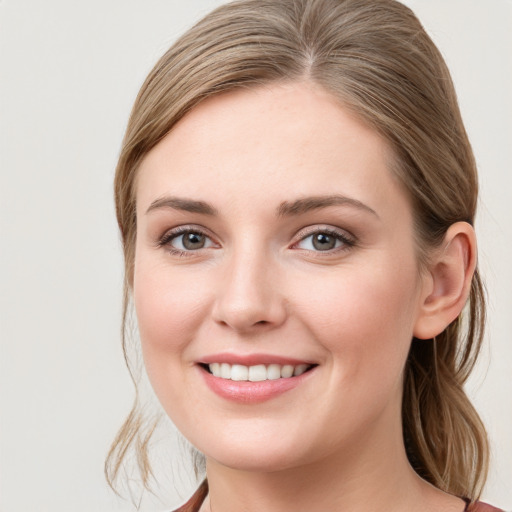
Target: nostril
{"x":248,"y":310}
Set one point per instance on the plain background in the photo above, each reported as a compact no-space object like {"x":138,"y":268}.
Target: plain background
{"x":69,"y":73}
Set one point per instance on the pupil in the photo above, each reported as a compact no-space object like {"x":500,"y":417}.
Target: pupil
{"x":323,"y":242}
{"x":193,"y":241}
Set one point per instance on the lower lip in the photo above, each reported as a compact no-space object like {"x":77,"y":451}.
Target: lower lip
{"x":248,"y":392}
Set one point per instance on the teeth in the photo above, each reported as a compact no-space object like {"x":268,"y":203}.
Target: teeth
{"x":239,"y":372}
{"x":286,"y":371}
{"x":273,"y":371}
{"x":300,"y":369}
{"x":215,"y":369}
{"x":225,"y":371}
{"x":257,"y":373}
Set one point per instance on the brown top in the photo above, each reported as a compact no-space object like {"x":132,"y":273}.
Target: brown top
{"x":194,"y":503}
{"x":482,"y":507}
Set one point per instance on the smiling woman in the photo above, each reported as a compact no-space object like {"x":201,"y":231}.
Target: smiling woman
{"x":296,"y":194}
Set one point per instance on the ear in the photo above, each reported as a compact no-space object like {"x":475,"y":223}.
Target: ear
{"x":448,"y":281}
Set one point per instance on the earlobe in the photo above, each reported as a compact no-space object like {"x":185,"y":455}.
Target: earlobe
{"x":449,"y":281}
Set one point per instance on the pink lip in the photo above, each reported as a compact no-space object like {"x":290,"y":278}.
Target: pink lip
{"x":251,"y":359}
{"x":246,"y":392}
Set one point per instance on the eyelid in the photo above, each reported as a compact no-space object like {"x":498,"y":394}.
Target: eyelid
{"x":170,"y":234}
{"x":347,"y":238}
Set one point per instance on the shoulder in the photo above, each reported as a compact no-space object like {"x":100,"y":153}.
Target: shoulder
{"x":482,"y":507}
{"x":195,"y":502}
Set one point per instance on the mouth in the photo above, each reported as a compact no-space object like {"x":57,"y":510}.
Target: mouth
{"x":256,"y":373}
{"x":253,"y":378}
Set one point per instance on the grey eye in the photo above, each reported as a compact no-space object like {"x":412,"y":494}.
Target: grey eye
{"x":323,"y":241}
{"x":193,"y":241}
{"x":190,"y":241}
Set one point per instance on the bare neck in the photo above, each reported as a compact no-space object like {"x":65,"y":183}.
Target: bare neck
{"x":372,"y":476}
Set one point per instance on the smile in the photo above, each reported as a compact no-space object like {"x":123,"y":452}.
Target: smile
{"x":261,"y":378}
{"x":256,"y":373}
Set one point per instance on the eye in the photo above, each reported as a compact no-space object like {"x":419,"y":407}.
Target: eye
{"x":325,"y":240}
{"x":182,"y":240}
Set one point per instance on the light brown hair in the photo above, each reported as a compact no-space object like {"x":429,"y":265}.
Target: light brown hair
{"x":376,"y":58}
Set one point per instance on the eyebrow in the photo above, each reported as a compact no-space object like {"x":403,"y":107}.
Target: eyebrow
{"x":285,"y":209}
{"x":184,"y":204}
{"x":306,"y":204}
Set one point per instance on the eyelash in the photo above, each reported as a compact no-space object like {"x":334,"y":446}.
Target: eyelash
{"x":169,"y":236}
{"x":346,"y":241}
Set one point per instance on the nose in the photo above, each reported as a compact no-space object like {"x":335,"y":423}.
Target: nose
{"x":250,"y":298}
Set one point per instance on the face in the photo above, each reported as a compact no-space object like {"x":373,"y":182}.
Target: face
{"x":276,"y":279}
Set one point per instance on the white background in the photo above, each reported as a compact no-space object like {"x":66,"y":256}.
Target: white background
{"x":69,"y":73}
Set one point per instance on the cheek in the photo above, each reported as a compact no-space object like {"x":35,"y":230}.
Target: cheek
{"x":364,"y":317}
{"x":167,"y":300}
{"x":169,"y":304}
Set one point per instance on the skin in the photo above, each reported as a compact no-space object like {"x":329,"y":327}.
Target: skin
{"x":259,"y":285}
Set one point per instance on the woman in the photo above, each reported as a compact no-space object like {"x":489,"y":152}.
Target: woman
{"x":296,"y":194}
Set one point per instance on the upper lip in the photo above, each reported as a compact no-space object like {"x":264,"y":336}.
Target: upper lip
{"x":252,"y":359}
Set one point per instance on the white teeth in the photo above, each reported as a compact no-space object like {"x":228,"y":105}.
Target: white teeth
{"x":257,"y":373}
{"x":225,"y":371}
{"x":239,"y":372}
{"x":286,"y":371}
{"x":215,"y":369}
{"x":300,"y":369}
{"x":273,"y":371}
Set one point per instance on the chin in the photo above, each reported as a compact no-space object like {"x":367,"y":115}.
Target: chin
{"x":255,"y":462}
{"x":245,"y":455}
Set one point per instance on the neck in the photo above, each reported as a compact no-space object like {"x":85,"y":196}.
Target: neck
{"x":369,"y":476}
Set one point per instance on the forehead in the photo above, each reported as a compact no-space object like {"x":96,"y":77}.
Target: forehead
{"x":281,"y":141}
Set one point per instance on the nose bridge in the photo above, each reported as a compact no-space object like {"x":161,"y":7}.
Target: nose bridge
{"x":249,"y":296}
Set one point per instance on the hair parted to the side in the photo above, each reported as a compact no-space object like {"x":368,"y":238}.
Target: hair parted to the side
{"x":375,"y":57}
